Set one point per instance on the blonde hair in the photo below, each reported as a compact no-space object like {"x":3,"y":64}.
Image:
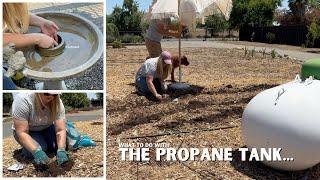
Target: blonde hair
{"x":16,"y":17}
{"x":53,"y":105}
{"x":163,"y":69}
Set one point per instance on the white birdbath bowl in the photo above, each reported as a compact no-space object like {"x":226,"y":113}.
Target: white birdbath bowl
{"x":83,"y":48}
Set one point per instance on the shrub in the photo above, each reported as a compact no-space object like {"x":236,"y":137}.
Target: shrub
{"x":271,"y":37}
{"x":245,"y":51}
{"x":67,"y":108}
{"x":313,"y":34}
{"x":264,"y":52}
{"x":137,"y":39}
{"x":117,"y":44}
{"x":127,"y":38}
{"x":112,"y":30}
{"x":110,"y":39}
{"x":253,"y":51}
{"x":75,"y":100}
{"x":144,"y":26}
{"x":216,"y":22}
{"x":7,"y":99}
{"x":273,"y":53}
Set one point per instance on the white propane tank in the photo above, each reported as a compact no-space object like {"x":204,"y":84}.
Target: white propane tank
{"x":287,"y":117}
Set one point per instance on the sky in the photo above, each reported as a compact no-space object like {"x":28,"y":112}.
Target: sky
{"x":91,"y":96}
{"x":284,"y":4}
{"x":144,"y":4}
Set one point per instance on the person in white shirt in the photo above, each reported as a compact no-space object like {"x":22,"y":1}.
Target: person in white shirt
{"x":151,"y":75}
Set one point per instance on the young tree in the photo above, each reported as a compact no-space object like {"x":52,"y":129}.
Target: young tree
{"x":7,"y":99}
{"x":261,"y":12}
{"x":238,"y":12}
{"x":112,"y":32}
{"x":216,"y":23}
{"x":253,"y":12}
{"x":303,"y":12}
{"x":75,"y":100}
{"x":116,"y":18}
{"x":298,"y":9}
{"x":99,"y":96}
{"x":128,"y":17}
{"x":313,"y":34}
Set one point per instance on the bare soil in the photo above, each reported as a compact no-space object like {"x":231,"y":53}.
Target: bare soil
{"x":84,"y":162}
{"x":224,"y":81}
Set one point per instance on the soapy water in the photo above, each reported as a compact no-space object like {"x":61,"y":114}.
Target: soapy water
{"x":80,"y":45}
{"x":77,"y":51}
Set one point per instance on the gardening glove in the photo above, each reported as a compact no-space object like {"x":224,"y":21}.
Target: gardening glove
{"x":15,"y":60}
{"x":16,"y":63}
{"x":62,"y":156}
{"x":8,"y":51}
{"x":40,"y":157}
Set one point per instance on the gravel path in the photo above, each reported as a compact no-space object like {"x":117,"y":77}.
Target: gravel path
{"x":92,"y":79}
{"x":303,"y":56}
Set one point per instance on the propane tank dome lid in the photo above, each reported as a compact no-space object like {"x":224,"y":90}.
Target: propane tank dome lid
{"x":311,"y":68}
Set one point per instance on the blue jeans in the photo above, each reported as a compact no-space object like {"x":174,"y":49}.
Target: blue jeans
{"x":8,"y":84}
{"x":142,"y":86}
{"x":45,"y":138}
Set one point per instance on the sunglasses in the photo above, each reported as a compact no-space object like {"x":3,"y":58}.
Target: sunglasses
{"x":48,"y":94}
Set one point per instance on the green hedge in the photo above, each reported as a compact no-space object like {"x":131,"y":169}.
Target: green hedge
{"x":7,"y":99}
{"x":75,"y":100}
{"x":117,"y":44}
{"x":127,"y":38}
{"x":112,"y":32}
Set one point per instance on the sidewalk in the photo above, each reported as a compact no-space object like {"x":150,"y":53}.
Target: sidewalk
{"x":303,"y":56}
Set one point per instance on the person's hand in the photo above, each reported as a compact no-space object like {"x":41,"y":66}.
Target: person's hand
{"x":44,"y":41}
{"x":62,"y":156}
{"x":165,"y":96}
{"x":49,"y":28}
{"x":159,"y":97}
{"x":40,"y":157}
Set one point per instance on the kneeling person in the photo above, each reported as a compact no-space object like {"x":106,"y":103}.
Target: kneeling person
{"x":39,"y":126}
{"x":151,"y":75}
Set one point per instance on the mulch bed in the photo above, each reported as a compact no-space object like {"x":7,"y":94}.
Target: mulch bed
{"x":224,"y":82}
{"x":85,"y":162}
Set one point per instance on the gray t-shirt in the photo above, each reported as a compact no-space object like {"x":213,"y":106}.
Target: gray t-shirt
{"x":24,"y":109}
{"x":149,"y":67}
{"x":152,"y":32}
